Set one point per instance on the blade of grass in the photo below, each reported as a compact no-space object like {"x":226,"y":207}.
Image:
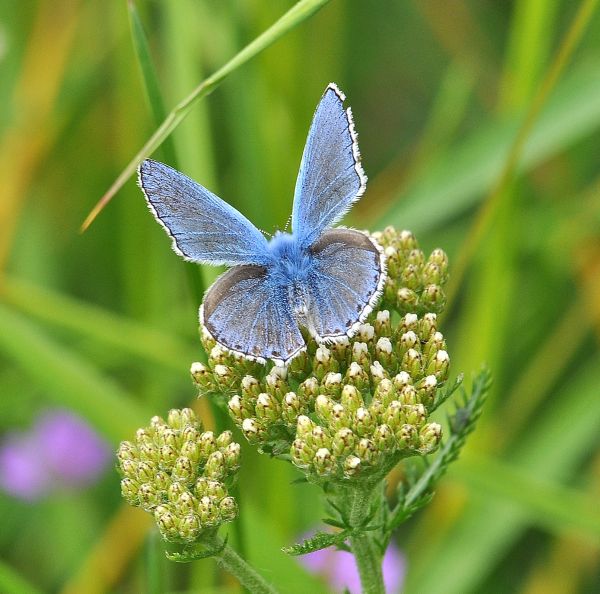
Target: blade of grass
{"x":565,"y":51}
{"x":459,"y":179}
{"x":13,"y":583}
{"x":68,"y":379}
{"x":552,"y":447}
{"x":108,"y":328}
{"x":149,"y":79}
{"x":557,"y":508}
{"x":296,"y":15}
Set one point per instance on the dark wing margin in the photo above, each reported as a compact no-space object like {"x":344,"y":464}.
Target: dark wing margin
{"x":243,"y":312}
{"x":331,"y":176}
{"x":203,"y":228}
{"x":346,"y":282}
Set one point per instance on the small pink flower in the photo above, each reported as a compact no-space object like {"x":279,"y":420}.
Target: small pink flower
{"x":60,"y":450}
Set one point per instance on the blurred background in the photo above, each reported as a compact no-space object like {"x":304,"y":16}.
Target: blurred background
{"x":98,"y":330}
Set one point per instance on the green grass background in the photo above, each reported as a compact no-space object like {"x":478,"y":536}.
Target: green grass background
{"x":479,"y":126}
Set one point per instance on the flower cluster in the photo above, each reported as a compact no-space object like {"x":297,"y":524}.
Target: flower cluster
{"x":350,"y":408}
{"x":180,"y":473}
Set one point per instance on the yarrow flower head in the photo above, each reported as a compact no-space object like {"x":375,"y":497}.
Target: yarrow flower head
{"x":349,"y":409}
{"x":180,"y":473}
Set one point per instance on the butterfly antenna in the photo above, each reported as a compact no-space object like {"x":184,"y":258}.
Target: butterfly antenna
{"x":266,"y":233}
{"x":287,"y":223}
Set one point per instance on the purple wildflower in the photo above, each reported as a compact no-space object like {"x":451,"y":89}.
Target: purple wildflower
{"x":340,"y":571}
{"x":61,"y":449}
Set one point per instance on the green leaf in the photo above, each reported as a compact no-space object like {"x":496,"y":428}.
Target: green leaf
{"x":320,"y":540}
{"x":68,"y":379}
{"x":553,"y":506}
{"x":114,"y":331}
{"x":458,"y":180}
{"x":296,"y":15}
{"x":556,"y":442}
{"x":13,"y":583}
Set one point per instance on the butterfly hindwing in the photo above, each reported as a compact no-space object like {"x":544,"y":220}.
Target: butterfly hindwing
{"x":347,"y":277}
{"x":203,"y":227}
{"x":331,"y":177}
{"x":246,"y":313}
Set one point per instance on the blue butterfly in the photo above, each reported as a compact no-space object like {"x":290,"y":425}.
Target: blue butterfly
{"x":322,"y":279}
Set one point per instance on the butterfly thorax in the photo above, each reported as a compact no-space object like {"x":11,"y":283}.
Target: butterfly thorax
{"x":291,"y":263}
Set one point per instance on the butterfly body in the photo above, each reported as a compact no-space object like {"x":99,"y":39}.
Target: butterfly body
{"x":324,"y":279}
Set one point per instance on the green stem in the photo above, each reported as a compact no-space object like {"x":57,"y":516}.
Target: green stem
{"x":364,"y":548}
{"x":229,"y":560}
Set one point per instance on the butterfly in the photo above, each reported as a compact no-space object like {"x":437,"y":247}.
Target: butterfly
{"x":326,"y":280}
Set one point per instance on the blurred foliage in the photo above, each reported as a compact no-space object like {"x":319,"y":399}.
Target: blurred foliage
{"x":479,"y":125}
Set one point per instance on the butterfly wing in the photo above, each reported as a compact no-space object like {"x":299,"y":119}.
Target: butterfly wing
{"x":203,"y":227}
{"x":347,"y":277}
{"x":246,"y":313}
{"x":331,"y":177}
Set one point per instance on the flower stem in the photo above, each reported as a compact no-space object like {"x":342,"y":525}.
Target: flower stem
{"x":229,"y":560}
{"x":364,"y":548}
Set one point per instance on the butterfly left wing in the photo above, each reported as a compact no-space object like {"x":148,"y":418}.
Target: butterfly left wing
{"x":203,"y":227}
{"x":247,"y":314}
{"x":347,"y":277}
{"x":331,"y":177}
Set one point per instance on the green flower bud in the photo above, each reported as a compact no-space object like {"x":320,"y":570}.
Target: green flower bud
{"x":324,"y":362}
{"x":215,"y":467}
{"x":414,"y":414}
{"x":366,"y":333}
{"x":407,"y":241}
{"x":384,"y":439}
{"x":189,"y":527}
{"x":360,"y":354}
{"x":385,"y":392}
{"x":352,"y":466}
{"x":412,"y":362}
{"x":191,"y":450}
{"x":250,"y":387}
{"x":428,"y":325}
{"x":426,"y":389}
{"x":309,"y":388}
{"x":129,"y":491}
{"x":147,"y":496}
{"x":406,"y":436}
{"x":168,"y":456}
{"x":224,"y":439}
{"x":252,"y":430}
{"x":440,"y":366}
{"x":364,"y":422}
{"x":275,"y":381}
{"x":201,"y":376}
{"x":433,"y":298}
{"x":208,"y":511}
{"x":127,"y":451}
{"x":267,"y":407}
{"x":323,"y":407}
{"x":378,"y":373}
{"x":343,"y":442}
{"x":175,"y":490}
{"x":383,"y":325}
{"x":323,"y":461}
{"x":351,"y":398}
{"x":332,"y":384}
{"x":228,"y":509}
{"x":409,"y":322}
{"x":366,"y":451}
{"x":304,"y":427}
{"x":207,"y":443}
{"x":162,"y":481}
{"x":356,"y":376}
{"x":408,"y":395}
{"x":186,"y":503}
{"x":184,"y":469}
{"x":166,"y":522}
{"x":430,"y":437}
{"x":146,"y":471}
{"x":224,"y":377}
{"x":231,"y":456}
{"x":291,"y":408}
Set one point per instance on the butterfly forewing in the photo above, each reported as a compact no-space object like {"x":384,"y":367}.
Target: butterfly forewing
{"x":246,"y":313}
{"x":203,"y":227}
{"x":347,"y":277}
{"x":331,"y":177}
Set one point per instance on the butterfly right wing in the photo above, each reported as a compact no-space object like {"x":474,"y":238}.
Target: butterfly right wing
{"x":204,"y":228}
{"x":247,"y":314}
